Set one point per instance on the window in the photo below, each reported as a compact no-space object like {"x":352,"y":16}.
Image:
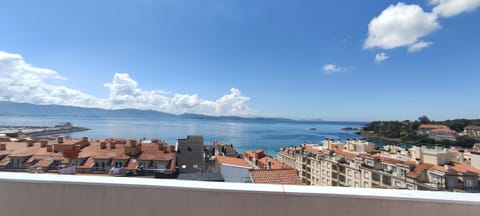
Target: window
{"x":436,"y":179}
{"x":195,"y":166}
{"x":184,"y":166}
{"x":366,"y":175}
{"x":469,"y":183}
{"x":369,"y":163}
{"x":366,"y":185}
{"x":118,"y":164}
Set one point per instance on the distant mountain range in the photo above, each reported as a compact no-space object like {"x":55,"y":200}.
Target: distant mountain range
{"x":27,"y":109}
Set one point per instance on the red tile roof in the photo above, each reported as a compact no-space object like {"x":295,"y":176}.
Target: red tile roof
{"x":44,"y":163}
{"x":348,"y":154}
{"x":312,"y":149}
{"x":444,"y":130}
{"x":472,"y":127}
{"x":260,"y":153}
{"x":431,"y":126}
{"x":274,"y":164}
{"x":419,"y":169}
{"x":88,"y":163}
{"x":152,"y":152}
{"x":132,"y":165}
{"x":282,"y":176}
{"x":233,"y":161}
{"x":463,"y":168}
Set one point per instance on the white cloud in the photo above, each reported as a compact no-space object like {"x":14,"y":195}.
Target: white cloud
{"x":22,"y":82}
{"x":381,"y":57}
{"x":403,"y":25}
{"x":449,"y":8}
{"x":419,"y":46}
{"x":331,"y":69}
{"x":400,"y":25}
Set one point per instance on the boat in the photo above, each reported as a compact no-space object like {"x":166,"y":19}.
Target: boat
{"x":313,"y":128}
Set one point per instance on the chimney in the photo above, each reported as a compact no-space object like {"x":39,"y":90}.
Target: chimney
{"x":29,"y":143}
{"x":172,"y":148}
{"x":269,"y":164}
{"x":133,"y":143}
{"x":43,"y":143}
{"x":49,"y":148}
{"x":112,"y":145}
{"x":59,"y":140}
{"x":3,"y":147}
{"x":84,"y":141}
{"x":103,"y":145}
{"x":77,"y":147}
{"x":160,"y":147}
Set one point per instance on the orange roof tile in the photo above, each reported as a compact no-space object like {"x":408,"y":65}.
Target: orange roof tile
{"x":132,"y":165}
{"x":233,"y":161}
{"x":431,"y":126}
{"x":472,"y":127}
{"x":439,"y":168}
{"x":152,"y":152}
{"x":347,"y":154}
{"x":281,"y":176}
{"x":312,"y":149}
{"x":419,"y":169}
{"x":390,"y":160}
{"x":94,"y":150}
{"x":463,"y":168}
{"x":4,"y":161}
{"x":44,"y":163}
{"x":274,"y":164}
{"x":444,"y":130}
{"x":88,"y":163}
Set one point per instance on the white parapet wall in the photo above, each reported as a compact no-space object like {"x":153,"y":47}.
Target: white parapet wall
{"x":24,"y":194}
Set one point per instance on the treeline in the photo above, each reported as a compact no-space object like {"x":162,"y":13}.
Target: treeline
{"x":407,"y":131}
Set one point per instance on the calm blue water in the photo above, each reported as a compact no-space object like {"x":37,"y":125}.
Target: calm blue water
{"x":244,"y":135}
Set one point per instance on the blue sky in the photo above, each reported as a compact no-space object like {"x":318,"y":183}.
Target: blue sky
{"x":335,"y":60}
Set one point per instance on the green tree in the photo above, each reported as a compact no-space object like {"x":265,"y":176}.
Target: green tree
{"x":424,"y":119}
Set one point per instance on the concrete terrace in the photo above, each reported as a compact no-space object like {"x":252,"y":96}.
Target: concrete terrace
{"x":42,"y":194}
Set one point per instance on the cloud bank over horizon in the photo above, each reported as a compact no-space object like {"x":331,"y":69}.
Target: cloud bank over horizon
{"x":23,"y":82}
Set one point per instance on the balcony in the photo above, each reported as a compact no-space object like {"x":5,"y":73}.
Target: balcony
{"x":49,"y":194}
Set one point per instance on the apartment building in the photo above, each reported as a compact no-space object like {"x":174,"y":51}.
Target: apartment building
{"x":419,"y":168}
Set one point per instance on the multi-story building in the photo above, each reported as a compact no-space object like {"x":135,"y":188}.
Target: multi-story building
{"x":418,"y":168}
{"x":190,"y":154}
{"x":472,"y":130}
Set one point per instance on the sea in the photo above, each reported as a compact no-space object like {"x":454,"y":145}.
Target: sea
{"x":269,"y":135}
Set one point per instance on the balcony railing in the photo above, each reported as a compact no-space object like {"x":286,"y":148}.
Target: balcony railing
{"x":48,"y":194}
